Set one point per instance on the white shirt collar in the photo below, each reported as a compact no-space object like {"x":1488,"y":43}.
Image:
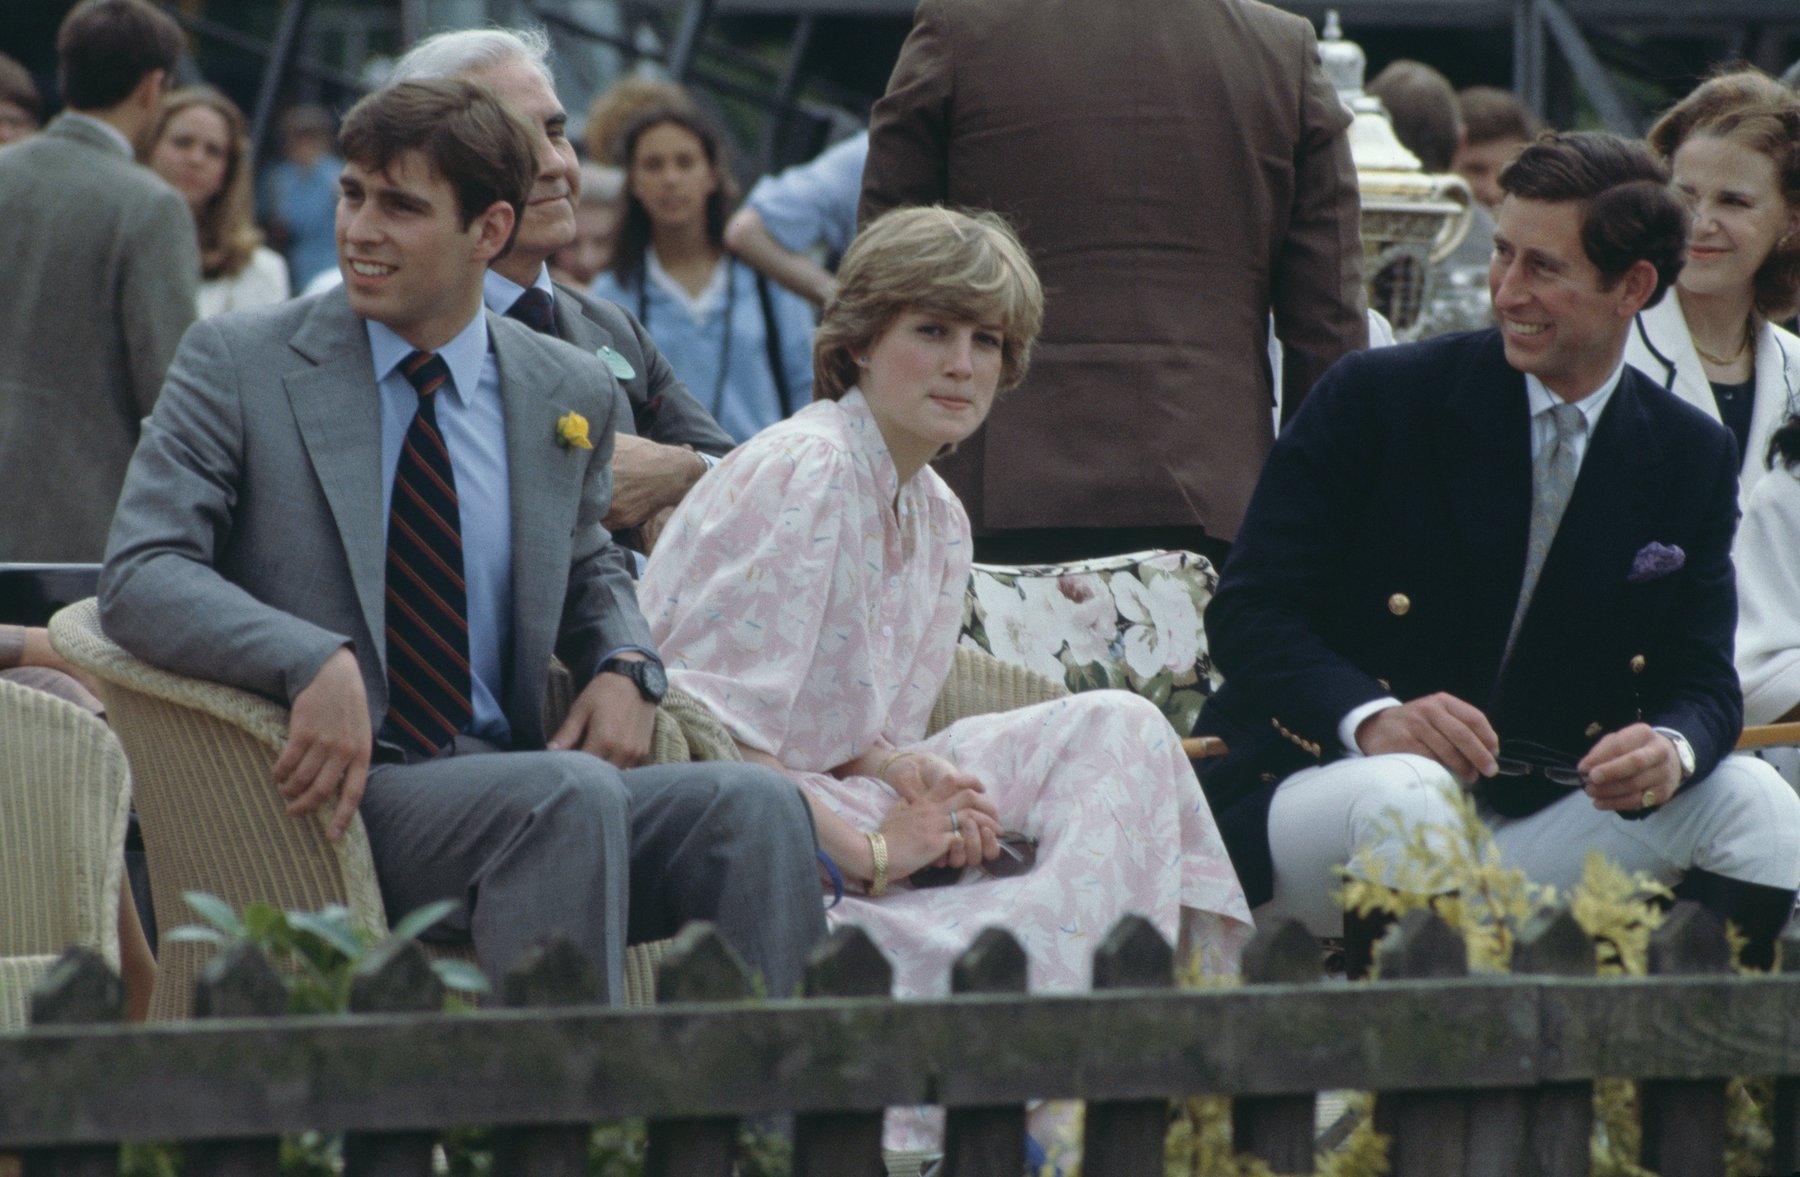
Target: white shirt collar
{"x":464,"y":354}
{"x":499,"y":292}
{"x":698,"y":306}
{"x":1540,"y":399}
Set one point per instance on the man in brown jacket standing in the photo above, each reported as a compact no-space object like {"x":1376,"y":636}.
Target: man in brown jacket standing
{"x":1179,"y":170}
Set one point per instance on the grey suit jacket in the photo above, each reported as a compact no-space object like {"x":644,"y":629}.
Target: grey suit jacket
{"x":250,"y":543}
{"x":101,"y":271}
{"x":662,"y":408}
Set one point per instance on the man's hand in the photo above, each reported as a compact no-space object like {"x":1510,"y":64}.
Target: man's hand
{"x":651,"y":529}
{"x":1453,"y":733}
{"x":328,"y":744}
{"x":610,"y":719}
{"x":1633,"y":768}
{"x":648,"y":476}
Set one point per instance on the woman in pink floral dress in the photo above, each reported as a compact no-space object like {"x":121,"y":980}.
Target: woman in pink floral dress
{"x":809,"y":591}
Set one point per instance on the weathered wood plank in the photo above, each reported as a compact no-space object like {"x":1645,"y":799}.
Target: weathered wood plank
{"x":699,"y":966}
{"x":1278,"y":1129}
{"x":237,"y":983}
{"x":80,"y":988}
{"x":99,"y":1083}
{"x":551,"y":975}
{"x":1429,"y":1129}
{"x":844,"y":1144}
{"x":985,"y":1139}
{"x":1684,"y":1121}
{"x":1559,"y":1117}
{"x":1785,"y":1156}
{"x":395,"y":977}
{"x":1124,"y":1138}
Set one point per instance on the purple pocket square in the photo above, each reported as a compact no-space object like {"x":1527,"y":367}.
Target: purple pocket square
{"x":1654,"y":561}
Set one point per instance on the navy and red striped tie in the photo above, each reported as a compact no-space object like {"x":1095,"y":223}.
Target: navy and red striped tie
{"x":427,"y":602}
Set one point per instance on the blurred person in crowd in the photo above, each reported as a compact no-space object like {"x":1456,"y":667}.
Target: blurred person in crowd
{"x":198,"y":143}
{"x":101,"y":273}
{"x":1165,"y":235}
{"x":1496,"y":126}
{"x":21,"y":107}
{"x":298,"y":193}
{"x":742,"y":344}
{"x":1733,"y":151}
{"x":831,"y":522}
{"x":667,"y":440}
{"x":809,"y":207}
{"x":615,"y":109}
{"x":1499,"y":562}
{"x":597,"y":220}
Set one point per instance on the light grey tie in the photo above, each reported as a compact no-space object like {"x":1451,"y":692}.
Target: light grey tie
{"x":1552,"y":481}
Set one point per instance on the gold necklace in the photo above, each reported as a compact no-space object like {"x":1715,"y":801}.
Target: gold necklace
{"x":1735,"y":356}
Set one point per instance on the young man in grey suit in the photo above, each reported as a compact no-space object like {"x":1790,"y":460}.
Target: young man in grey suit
{"x":102,"y":268}
{"x":384,"y":505}
{"x":667,"y":440}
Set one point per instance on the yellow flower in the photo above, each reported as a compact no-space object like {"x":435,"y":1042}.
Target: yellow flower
{"x":571,"y":430}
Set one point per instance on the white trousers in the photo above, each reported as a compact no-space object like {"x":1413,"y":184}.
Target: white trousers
{"x":1742,"y":822}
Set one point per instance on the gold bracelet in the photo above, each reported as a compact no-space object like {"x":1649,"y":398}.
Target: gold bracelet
{"x":878,"y":848}
{"x":881,"y":773}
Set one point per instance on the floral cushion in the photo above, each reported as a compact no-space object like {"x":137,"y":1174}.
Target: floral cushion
{"x":1131,"y":622}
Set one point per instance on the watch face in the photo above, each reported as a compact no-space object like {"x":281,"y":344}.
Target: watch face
{"x":652,"y":681}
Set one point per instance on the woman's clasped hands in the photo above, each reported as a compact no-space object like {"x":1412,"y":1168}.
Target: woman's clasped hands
{"x":943,"y":816}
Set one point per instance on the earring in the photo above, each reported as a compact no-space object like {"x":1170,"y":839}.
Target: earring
{"x":862,"y":361}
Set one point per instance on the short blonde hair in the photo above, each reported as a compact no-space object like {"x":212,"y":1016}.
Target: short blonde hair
{"x":965,"y":265}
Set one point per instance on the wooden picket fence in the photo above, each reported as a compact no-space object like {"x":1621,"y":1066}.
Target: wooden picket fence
{"x":1473,"y":1075}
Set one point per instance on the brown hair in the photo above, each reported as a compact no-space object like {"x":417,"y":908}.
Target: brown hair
{"x":104,"y":48}
{"x":1422,"y":105}
{"x":17,"y":88}
{"x":1747,"y":107}
{"x":635,"y":231}
{"x":1628,"y":213}
{"x":1490,"y":113}
{"x":967,"y":266}
{"x":227,"y":237}
{"x":474,"y":142}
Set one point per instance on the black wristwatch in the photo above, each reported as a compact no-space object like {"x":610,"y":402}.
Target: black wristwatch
{"x":651,"y":682}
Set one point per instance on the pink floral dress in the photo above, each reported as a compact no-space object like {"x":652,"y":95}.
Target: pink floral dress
{"x":813,"y":604}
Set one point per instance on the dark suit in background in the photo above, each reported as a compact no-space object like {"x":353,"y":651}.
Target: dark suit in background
{"x":1178,"y":169}
{"x":101,"y":274}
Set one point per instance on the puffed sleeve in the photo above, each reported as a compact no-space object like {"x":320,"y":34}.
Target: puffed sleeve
{"x":749,"y":596}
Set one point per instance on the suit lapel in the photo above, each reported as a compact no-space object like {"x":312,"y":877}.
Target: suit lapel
{"x":545,"y":479}
{"x":1484,"y":457}
{"x":338,"y":409}
{"x":572,"y":326}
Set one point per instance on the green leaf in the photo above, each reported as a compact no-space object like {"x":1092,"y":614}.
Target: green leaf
{"x":195,"y":934}
{"x":337,"y":934}
{"x":422,"y":920}
{"x":264,"y":923}
{"x":1157,"y":689}
{"x":215,"y":911}
{"x":460,"y":975}
{"x":1183,"y":710}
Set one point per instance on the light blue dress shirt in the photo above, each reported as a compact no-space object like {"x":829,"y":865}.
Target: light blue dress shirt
{"x":473,"y":421}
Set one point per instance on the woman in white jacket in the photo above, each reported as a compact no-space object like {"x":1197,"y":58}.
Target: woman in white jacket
{"x":1733,"y":148}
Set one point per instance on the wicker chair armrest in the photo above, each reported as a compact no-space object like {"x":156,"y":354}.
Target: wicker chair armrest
{"x":18,"y":976}
{"x":980,"y":684}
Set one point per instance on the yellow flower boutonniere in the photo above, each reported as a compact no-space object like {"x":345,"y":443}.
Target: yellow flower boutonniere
{"x":571,"y":430}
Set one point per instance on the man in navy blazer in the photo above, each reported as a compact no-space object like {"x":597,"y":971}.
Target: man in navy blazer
{"x":1389,"y":637}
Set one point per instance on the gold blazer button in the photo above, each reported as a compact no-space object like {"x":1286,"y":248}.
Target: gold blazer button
{"x":1637,"y":664}
{"x":1398,"y":604}
{"x":1591,"y":730}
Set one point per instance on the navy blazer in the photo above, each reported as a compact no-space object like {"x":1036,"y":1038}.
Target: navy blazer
{"x":1383,"y":554}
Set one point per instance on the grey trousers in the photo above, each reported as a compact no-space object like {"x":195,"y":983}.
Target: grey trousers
{"x":535,"y":844}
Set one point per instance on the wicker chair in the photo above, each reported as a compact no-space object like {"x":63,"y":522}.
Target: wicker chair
{"x":202,"y":756}
{"x":64,"y":796}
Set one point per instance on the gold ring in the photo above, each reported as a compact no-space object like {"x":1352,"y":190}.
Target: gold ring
{"x":1648,"y":800}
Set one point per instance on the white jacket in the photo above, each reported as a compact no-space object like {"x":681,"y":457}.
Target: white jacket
{"x":1767,"y":555}
{"x":1660,"y":347}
